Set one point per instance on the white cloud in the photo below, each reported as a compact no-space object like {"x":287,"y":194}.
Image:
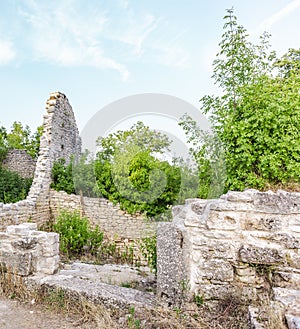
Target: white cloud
{"x":7,"y":52}
{"x":63,"y":35}
{"x":135,"y":30}
{"x":80,"y":33}
{"x":172,"y":53}
{"x":282,"y":13}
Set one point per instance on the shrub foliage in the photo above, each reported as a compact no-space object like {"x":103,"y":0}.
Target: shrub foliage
{"x":256,"y":118}
{"x":13,"y":187}
{"x":76,"y":234}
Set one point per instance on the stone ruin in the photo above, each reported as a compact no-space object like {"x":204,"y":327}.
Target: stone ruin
{"x":245,"y":244}
{"x":60,"y":139}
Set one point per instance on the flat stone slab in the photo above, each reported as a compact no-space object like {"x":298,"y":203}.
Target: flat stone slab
{"x":85,"y":280}
{"x":108,"y":273}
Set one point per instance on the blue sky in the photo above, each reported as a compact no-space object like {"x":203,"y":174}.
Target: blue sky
{"x":97,"y":52}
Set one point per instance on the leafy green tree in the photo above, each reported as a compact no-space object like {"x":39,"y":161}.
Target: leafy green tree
{"x":84,"y":176}
{"x":128,"y":172}
{"x":18,"y":137}
{"x":13,"y":187}
{"x":3,"y":144}
{"x":62,"y":176}
{"x":33,"y":147}
{"x":257,"y":116}
{"x":138,"y":135}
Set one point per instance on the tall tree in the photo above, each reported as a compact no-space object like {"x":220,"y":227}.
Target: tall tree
{"x":257,"y":116}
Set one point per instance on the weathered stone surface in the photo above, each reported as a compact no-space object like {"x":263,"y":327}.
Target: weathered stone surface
{"x":24,"y":250}
{"x":254,"y":318}
{"x":95,"y":291}
{"x":246,"y":196}
{"x":215,"y":269}
{"x":19,"y":263}
{"x":286,"y":277}
{"x":280,"y":202}
{"x":263,"y":222}
{"x":261,"y":255}
{"x":293,"y":321}
{"x":21,"y":162}
{"x":60,"y":139}
{"x":171,"y":267}
{"x":243,"y":242}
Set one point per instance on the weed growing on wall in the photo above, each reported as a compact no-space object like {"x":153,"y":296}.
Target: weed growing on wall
{"x":148,"y":249}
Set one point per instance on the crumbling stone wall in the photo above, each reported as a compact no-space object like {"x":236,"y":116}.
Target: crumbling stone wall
{"x":24,"y":250}
{"x":60,"y":139}
{"x":245,"y":244}
{"x":21,"y":162}
{"x":115,"y":222}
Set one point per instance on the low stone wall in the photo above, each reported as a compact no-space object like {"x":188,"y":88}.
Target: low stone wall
{"x":245,"y":244}
{"x":115,"y":222}
{"x":24,"y":250}
{"x":21,"y":162}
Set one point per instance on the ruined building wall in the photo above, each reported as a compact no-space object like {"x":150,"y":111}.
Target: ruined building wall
{"x":115,"y":222}
{"x":60,"y":139}
{"x":21,"y":162}
{"x":245,"y":244}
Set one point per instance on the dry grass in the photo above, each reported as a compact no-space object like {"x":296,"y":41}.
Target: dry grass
{"x":226,"y":314}
{"x":288,"y":187}
{"x":270,"y":315}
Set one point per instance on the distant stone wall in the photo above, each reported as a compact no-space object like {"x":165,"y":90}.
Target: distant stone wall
{"x":115,"y":222}
{"x":244,"y":244}
{"x":60,"y":139}
{"x":21,"y":162}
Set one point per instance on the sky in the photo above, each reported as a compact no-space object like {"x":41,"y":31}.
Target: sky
{"x":97,"y":51}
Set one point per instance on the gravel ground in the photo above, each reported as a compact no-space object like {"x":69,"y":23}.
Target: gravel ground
{"x":16,"y":315}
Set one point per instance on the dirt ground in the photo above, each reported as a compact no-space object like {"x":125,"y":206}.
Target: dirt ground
{"x":16,"y":315}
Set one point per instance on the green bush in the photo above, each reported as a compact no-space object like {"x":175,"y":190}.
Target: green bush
{"x":76,"y":234}
{"x":139,"y":183}
{"x":62,"y":176}
{"x":75,"y":177}
{"x":13,"y":187}
{"x":256,"y":118}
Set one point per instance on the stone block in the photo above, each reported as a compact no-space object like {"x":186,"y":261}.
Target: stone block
{"x":171,"y":269}
{"x":261,"y":255}
{"x":263,"y":222}
{"x":246,"y":196}
{"x":227,"y":221}
{"x":215,"y":269}
{"x":284,"y":240}
{"x":25,"y":243}
{"x":19,"y":263}
{"x":281,"y":202}
{"x":47,"y":265}
{"x":21,"y":229}
{"x":286,"y":277}
{"x":211,"y":249}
